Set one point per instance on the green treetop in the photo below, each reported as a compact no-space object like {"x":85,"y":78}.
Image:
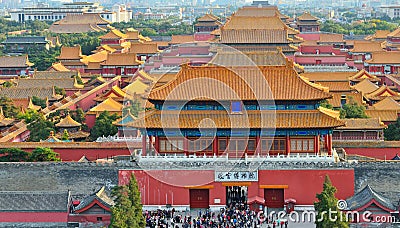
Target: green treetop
{"x":327,"y":203}
{"x":127,"y":211}
{"x":392,"y":132}
{"x":352,"y":110}
{"x":104,"y":125}
{"x":42,"y":154}
{"x":38,"y":125}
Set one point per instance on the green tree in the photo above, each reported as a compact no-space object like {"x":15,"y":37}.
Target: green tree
{"x":327,"y":203}
{"x":392,"y":132}
{"x":352,"y":110}
{"x":325,"y":104}
{"x":38,"y":126}
{"x":65,"y":135}
{"x":103,"y":125}
{"x":41,"y":57}
{"x":134,"y":108}
{"x":60,"y":91}
{"x":42,"y":154}
{"x":38,"y":101}
{"x":127,"y":211}
{"x":357,"y":28}
{"x":8,"y":84}
{"x":162,"y":27}
{"x":78,"y":80}
{"x":79,"y":116}
{"x":9,"y":110}
{"x":88,"y":41}
{"x":13,"y":155}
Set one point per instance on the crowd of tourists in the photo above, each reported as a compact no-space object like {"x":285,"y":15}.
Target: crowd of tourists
{"x":232,"y":216}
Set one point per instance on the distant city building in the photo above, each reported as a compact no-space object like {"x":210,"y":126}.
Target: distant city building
{"x":44,"y":12}
{"x":392,"y":11}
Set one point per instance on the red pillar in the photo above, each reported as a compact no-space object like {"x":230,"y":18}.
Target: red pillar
{"x":156,"y":145}
{"x":186,"y":146}
{"x":258,"y":146}
{"x":329,"y":141}
{"x":287,"y":145}
{"x":144,"y":146}
{"x":316,"y":144}
{"x":150,"y":143}
{"x":215,"y":146}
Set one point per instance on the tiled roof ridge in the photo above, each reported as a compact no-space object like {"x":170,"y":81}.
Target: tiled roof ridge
{"x":395,"y":33}
{"x":289,"y":66}
{"x":68,"y":122}
{"x":307,"y":16}
{"x":260,"y":119}
{"x":381,"y":89}
{"x":384,"y":103}
{"x":369,"y":191}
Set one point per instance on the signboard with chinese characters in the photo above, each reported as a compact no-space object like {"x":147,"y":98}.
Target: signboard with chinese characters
{"x":221,"y":176}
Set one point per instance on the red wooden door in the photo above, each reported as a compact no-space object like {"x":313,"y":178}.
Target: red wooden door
{"x":199,"y":198}
{"x":274,"y":198}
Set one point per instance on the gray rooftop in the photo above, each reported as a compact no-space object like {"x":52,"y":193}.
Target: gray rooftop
{"x":26,"y":40}
{"x":364,"y":196}
{"x":38,"y":201}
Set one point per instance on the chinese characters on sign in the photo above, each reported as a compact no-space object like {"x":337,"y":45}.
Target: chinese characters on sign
{"x":236,"y":176}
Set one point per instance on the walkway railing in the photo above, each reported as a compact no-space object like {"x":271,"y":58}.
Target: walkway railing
{"x":118,"y":139}
{"x":256,"y":158}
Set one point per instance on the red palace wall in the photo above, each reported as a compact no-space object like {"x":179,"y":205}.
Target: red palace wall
{"x":90,"y":120}
{"x":323,"y":49}
{"x":74,"y":151}
{"x":309,"y":36}
{"x":379,"y":153}
{"x":90,"y":218}
{"x":312,"y":60}
{"x":301,"y":185}
{"x":203,"y":37}
{"x":34,"y":217}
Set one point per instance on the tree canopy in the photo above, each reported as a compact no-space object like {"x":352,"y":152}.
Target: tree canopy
{"x":42,"y":154}
{"x":65,"y":135}
{"x":392,"y":132}
{"x":38,"y":125}
{"x":134,"y":108}
{"x":38,"y":101}
{"x":357,"y":28}
{"x":327,"y":203}
{"x":13,"y":155}
{"x":103,"y":125}
{"x":127,"y":211}
{"x":352,"y":110}
{"x":88,"y":41}
{"x":41,"y":57}
{"x":8,"y":107}
{"x":39,"y":154}
{"x":162,"y":27}
{"x":325,"y":104}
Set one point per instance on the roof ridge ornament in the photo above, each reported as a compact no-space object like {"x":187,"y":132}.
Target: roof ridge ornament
{"x":185,"y":63}
{"x":289,"y":63}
